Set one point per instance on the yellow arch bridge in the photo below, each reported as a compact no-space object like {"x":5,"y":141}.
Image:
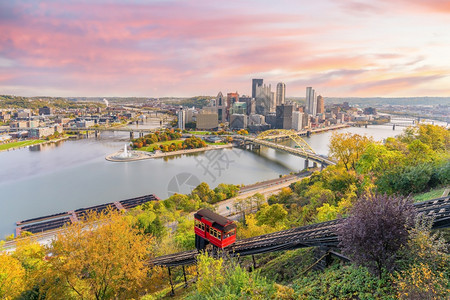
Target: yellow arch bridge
{"x":269,"y":139}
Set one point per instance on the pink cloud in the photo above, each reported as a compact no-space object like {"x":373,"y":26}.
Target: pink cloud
{"x":190,"y":48}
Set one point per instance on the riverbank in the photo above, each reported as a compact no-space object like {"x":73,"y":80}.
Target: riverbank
{"x":26,"y":145}
{"x":140,"y":155}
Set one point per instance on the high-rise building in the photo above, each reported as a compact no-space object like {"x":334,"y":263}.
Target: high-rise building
{"x":320,"y":105}
{"x":239,"y":108}
{"x":284,"y":117}
{"x":311,"y":101}
{"x":264,"y":101}
{"x":238,"y":121}
{"x":207,"y":120}
{"x":281,"y":93}
{"x":221,"y":107}
{"x":248,"y":101}
{"x":297,"y":120}
{"x":181,"y":119}
{"x":231,"y":99}
{"x":256,"y":83}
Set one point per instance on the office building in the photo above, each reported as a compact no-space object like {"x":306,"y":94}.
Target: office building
{"x":231,"y":99}
{"x":320,"y":105}
{"x":239,"y":108}
{"x":271,"y":119}
{"x":250,"y":104}
{"x":306,"y":122}
{"x":181,"y":114}
{"x":264,"y":101}
{"x":281,"y":93}
{"x":45,"y":111}
{"x":255,"y":119}
{"x":238,"y":121}
{"x":284,"y":117}
{"x":207,"y":120}
{"x":297,"y":120}
{"x":256,"y":83}
{"x":221,"y":107}
{"x":311,"y":101}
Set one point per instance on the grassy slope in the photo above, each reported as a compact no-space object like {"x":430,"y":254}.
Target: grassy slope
{"x":20,"y":144}
{"x":434,"y":193}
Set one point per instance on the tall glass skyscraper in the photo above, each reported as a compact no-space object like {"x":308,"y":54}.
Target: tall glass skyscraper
{"x":256,"y":83}
{"x":311,"y":101}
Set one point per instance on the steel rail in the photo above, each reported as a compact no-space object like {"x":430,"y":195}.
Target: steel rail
{"x":320,"y":234}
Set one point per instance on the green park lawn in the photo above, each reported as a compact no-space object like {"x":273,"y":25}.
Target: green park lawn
{"x":19,"y":144}
{"x":152,"y":147}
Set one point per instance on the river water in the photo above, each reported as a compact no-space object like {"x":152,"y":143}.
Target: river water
{"x":68,"y":175}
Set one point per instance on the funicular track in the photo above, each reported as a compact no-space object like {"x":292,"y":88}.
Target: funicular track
{"x":320,"y":234}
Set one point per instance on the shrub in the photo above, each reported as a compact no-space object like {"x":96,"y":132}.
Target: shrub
{"x":376,"y":229}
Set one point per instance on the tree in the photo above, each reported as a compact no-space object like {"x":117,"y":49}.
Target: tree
{"x":12,"y":277}
{"x":347,"y":148}
{"x":272,"y":215}
{"x":32,"y":257}
{"x":203,"y":192}
{"x":376,"y":229}
{"x":101,"y":258}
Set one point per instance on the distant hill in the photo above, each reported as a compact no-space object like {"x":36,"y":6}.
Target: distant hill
{"x":391,"y":101}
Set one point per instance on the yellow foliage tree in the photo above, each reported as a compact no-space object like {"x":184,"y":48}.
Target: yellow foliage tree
{"x":252,"y":229}
{"x":12,"y":277}
{"x":347,"y":148}
{"x":101,"y":258}
{"x":32,"y":257}
{"x":210,"y":272}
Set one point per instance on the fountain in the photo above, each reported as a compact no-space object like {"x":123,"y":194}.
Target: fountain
{"x":125,"y":153}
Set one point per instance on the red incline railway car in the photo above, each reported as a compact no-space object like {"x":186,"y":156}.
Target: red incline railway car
{"x":211,"y":228}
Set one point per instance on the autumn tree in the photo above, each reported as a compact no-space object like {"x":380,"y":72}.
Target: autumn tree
{"x":347,"y":148}
{"x":103,"y":257}
{"x":32,"y":257}
{"x":272,"y":215}
{"x":376,"y":229}
{"x":204,"y":192}
{"x":12,"y":277}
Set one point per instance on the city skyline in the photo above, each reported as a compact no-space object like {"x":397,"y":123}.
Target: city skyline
{"x":188,"y":48}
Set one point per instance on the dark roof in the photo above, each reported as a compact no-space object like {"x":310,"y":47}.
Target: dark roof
{"x":213,"y":216}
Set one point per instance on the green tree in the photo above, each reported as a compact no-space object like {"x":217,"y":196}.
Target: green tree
{"x":272,"y":215}
{"x":204,"y":192}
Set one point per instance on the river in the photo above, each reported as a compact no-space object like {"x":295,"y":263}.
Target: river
{"x":47,"y":179}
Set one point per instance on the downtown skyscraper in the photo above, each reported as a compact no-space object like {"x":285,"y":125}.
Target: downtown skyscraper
{"x":255,"y":84}
{"x":311,"y":101}
{"x":281,"y":93}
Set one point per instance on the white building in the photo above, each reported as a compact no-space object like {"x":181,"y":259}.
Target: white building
{"x":297,"y":120}
{"x":181,"y":114}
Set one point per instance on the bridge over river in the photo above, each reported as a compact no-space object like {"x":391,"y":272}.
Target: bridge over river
{"x":270,"y":138}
